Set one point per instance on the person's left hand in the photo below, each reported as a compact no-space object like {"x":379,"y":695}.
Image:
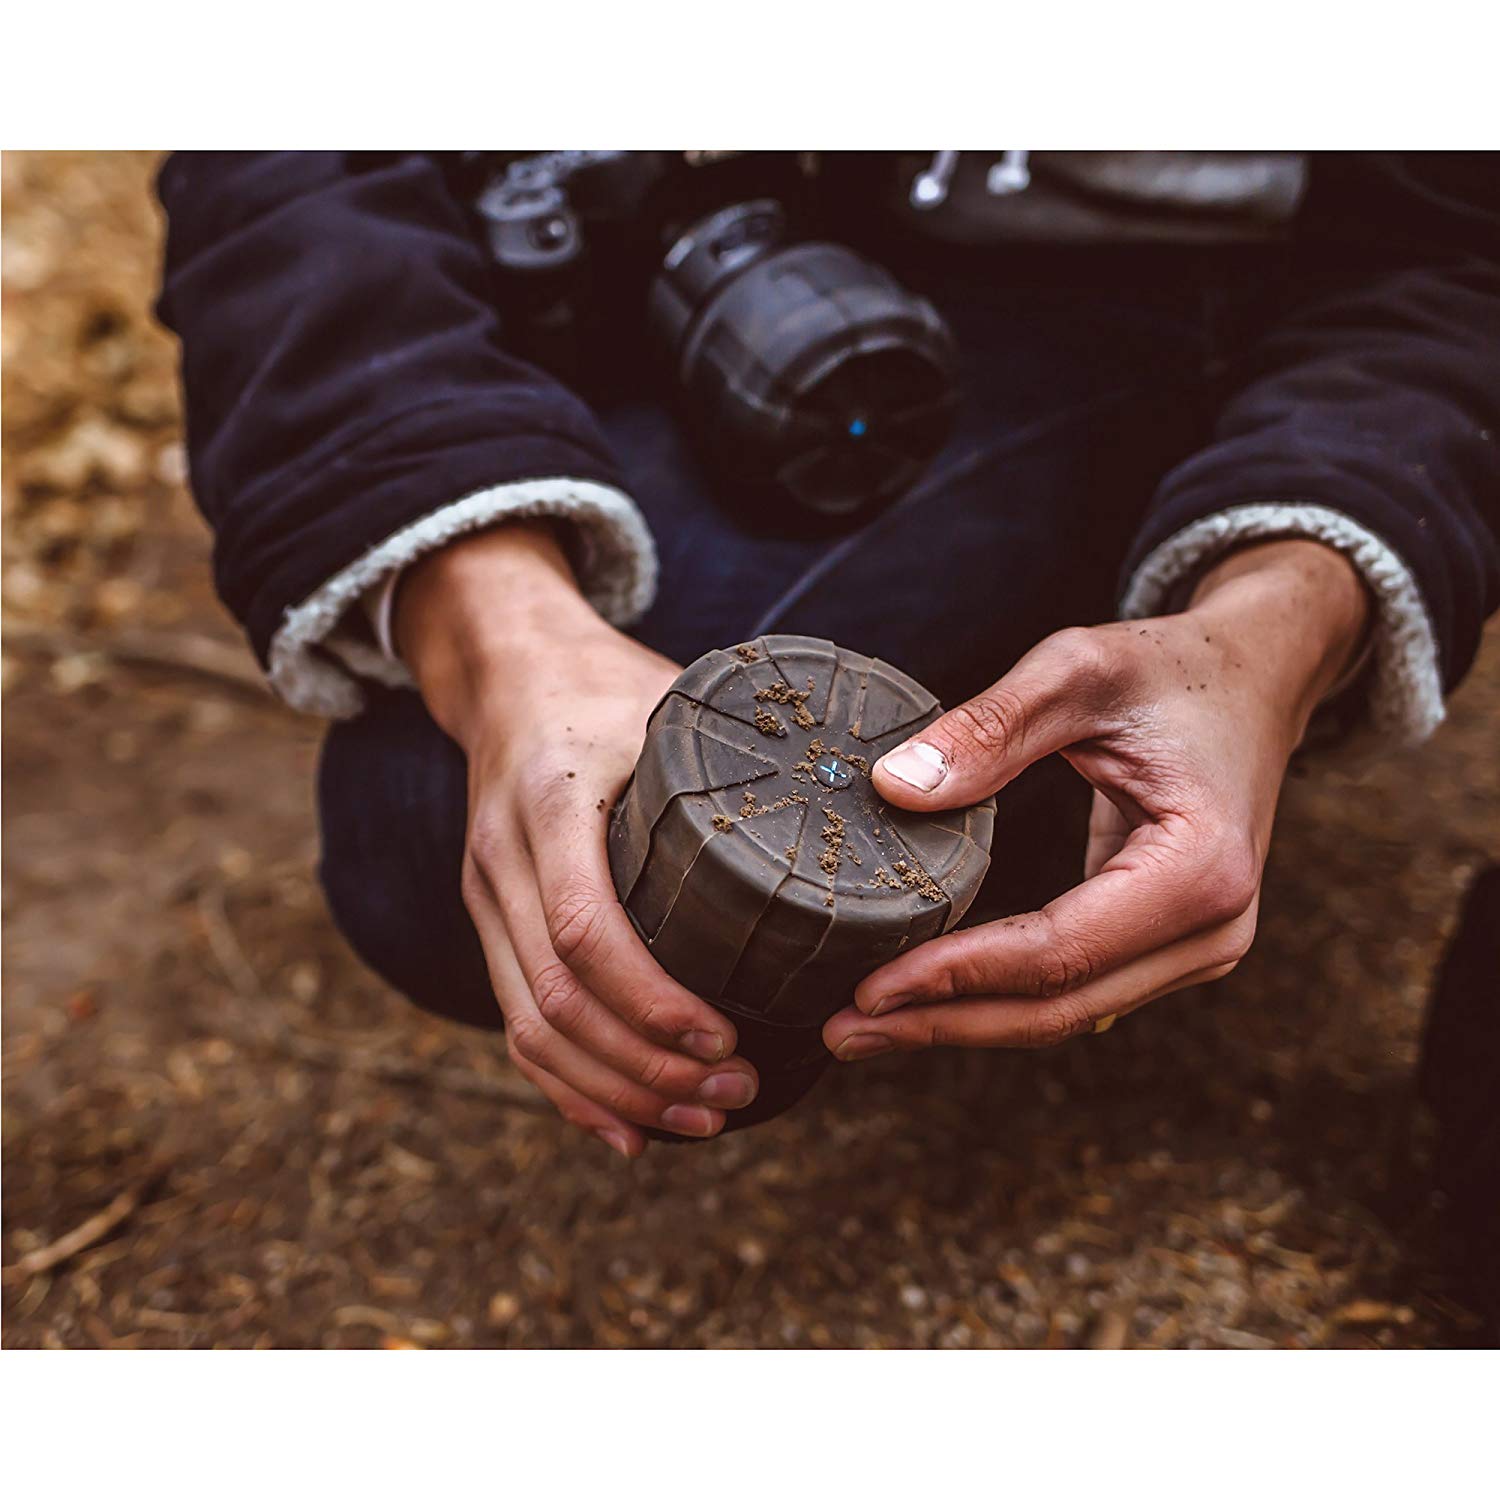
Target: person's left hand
{"x":1183,"y":725}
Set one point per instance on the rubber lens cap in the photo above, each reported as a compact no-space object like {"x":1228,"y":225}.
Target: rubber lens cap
{"x":756,"y":859}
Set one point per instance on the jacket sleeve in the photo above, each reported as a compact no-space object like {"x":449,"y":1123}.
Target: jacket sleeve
{"x":349,"y":404}
{"x":1367,"y":416}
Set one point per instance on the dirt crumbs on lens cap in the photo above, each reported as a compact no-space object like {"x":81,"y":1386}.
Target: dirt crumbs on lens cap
{"x":915,"y":878}
{"x":785,"y":694}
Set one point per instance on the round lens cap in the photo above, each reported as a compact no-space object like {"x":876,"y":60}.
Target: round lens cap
{"x":751,"y":849}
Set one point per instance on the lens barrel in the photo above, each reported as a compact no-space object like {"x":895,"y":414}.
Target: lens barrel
{"x":808,"y":371}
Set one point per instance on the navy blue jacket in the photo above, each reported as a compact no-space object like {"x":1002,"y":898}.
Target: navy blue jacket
{"x":345,"y":374}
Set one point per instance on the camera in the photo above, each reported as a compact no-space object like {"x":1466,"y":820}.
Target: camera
{"x":804,"y":371}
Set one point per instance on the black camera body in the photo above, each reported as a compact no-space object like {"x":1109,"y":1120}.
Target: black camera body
{"x":805,"y":372}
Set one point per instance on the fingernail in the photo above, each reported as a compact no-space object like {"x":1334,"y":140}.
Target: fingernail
{"x":615,"y":1141}
{"x":706,"y":1046}
{"x":688,"y":1119}
{"x":887,"y":1003}
{"x":861,"y":1045}
{"x":917,"y":764}
{"x":727,"y":1090}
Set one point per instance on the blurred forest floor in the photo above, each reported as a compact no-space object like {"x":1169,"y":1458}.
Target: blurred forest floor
{"x":219,"y":1131}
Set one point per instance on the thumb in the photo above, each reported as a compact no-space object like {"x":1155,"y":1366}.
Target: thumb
{"x":1054,"y":696}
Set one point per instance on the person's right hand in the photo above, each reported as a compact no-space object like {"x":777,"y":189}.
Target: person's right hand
{"x":550,"y":705}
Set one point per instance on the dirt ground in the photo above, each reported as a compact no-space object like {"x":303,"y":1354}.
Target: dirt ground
{"x":219,"y":1131}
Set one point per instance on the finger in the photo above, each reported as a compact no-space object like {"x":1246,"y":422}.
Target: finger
{"x":588,"y":930}
{"x":1018,"y":1021}
{"x":987,"y":1022}
{"x":532,"y":1040}
{"x":510,"y":989}
{"x":1167,"y":883}
{"x":533,"y":1044}
{"x":619,"y":1135}
{"x":1108,"y":830}
{"x":572,"y":1010}
{"x":1058,"y":693}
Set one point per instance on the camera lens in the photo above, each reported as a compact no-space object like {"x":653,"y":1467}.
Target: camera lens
{"x":809,"y":371}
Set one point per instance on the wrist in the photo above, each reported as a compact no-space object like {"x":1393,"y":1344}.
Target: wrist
{"x":1299,"y":614}
{"x":470,"y":618}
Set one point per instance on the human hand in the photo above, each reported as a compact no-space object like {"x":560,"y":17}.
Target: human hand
{"x":550,"y":705}
{"x":1183,"y":725}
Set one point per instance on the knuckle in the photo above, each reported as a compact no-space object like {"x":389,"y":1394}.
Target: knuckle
{"x":622,"y":1098}
{"x":558,"y":996}
{"x":654,"y":1019}
{"x":526,"y":1042}
{"x":1055,"y":1022}
{"x":1232,"y":880}
{"x":653,"y":1068}
{"x":1232,"y":946}
{"x":577,"y":925}
{"x":1062,"y":968}
{"x":1244,"y":931}
{"x":936,"y":1033}
{"x":958,"y":973}
{"x":1062,"y":962}
{"x":961,"y":977}
{"x":1087,"y":657}
{"x":987,"y":725}
{"x":472,"y":885}
{"x":1078,"y":647}
{"x":545,"y":787}
{"x":489,"y":841}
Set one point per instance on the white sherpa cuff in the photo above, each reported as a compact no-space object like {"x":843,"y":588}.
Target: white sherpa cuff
{"x":1406,"y":693}
{"x":317,"y":655}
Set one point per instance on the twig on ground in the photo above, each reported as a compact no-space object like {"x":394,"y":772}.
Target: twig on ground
{"x":183,"y":653}
{"x":93,"y":1229}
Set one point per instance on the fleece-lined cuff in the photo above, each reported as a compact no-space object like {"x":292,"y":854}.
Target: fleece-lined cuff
{"x":1406,"y":690}
{"x":321,"y":650}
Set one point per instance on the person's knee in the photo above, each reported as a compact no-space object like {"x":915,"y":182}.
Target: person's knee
{"x":391,"y":807}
